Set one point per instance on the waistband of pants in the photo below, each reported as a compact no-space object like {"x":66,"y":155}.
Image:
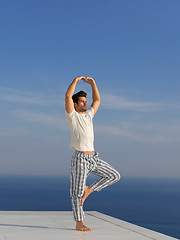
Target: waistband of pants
{"x":88,"y":156}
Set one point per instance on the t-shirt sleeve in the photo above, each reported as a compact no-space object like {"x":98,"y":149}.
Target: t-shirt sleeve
{"x":70,"y":116}
{"x":90,"y":111}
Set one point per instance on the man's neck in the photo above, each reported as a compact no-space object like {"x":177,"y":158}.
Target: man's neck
{"x":80,"y":112}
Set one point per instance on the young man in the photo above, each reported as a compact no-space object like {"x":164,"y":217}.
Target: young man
{"x":84,"y":160}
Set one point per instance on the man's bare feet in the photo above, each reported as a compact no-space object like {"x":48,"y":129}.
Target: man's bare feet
{"x":88,"y":190}
{"x":81,"y":227}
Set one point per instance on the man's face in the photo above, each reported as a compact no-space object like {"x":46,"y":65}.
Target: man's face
{"x":82,"y":105}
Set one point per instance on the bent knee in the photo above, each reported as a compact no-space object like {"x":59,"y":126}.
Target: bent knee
{"x":117,"y":176}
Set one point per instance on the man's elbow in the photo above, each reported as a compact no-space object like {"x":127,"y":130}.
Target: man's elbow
{"x":97,"y":99}
{"x":68,"y":95}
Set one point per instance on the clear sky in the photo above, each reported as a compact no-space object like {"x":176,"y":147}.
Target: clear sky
{"x":131,"y":48}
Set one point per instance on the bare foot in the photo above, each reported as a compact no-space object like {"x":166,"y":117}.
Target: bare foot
{"x":88,"y":190}
{"x":81,"y":227}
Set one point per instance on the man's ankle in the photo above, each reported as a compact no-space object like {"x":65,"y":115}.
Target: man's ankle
{"x":90,"y":188}
{"x":79,"y":222}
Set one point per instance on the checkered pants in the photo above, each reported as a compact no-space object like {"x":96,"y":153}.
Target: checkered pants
{"x":81,"y":166}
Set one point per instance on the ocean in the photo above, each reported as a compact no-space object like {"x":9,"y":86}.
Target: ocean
{"x":150,"y":203}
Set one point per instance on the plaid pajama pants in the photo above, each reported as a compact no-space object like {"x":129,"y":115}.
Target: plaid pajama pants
{"x":81,"y":166}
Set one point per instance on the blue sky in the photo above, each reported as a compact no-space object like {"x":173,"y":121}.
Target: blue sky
{"x":131,"y":49}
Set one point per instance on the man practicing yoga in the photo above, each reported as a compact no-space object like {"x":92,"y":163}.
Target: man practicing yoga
{"x":84,"y":160}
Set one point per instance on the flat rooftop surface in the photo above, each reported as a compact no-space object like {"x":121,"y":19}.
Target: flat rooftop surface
{"x":59,"y":225}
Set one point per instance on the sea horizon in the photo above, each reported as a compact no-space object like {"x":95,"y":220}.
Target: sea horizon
{"x":152,"y":203}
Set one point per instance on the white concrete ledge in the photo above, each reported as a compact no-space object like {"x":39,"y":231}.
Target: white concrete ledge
{"x":59,"y":225}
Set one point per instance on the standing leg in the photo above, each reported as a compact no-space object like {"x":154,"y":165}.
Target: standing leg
{"x":77,"y":185}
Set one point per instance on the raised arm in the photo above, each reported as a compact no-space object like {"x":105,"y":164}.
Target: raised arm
{"x":95,"y":94}
{"x":69,"y":105}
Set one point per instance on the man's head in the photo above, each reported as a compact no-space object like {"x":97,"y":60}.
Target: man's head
{"x":80,"y":102}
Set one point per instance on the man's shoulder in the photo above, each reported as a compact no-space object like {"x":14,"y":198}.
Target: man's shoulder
{"x":69,"y":115}
{"x":90,"y":111}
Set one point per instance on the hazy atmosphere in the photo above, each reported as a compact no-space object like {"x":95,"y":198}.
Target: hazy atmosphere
{"x":131,"y":49}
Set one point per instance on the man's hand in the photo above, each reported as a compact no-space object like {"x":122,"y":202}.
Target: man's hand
{"x":77,"y":79}
{"x":89,"y":80}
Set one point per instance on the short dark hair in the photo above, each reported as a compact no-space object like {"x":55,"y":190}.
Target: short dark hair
{"x":76,"y":96}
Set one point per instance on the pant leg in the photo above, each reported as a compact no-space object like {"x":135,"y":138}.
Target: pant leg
{"x":77,"y":184}
{"x":108,"y":175}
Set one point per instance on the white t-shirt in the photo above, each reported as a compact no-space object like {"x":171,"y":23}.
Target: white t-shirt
{"x":81,"y":128}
